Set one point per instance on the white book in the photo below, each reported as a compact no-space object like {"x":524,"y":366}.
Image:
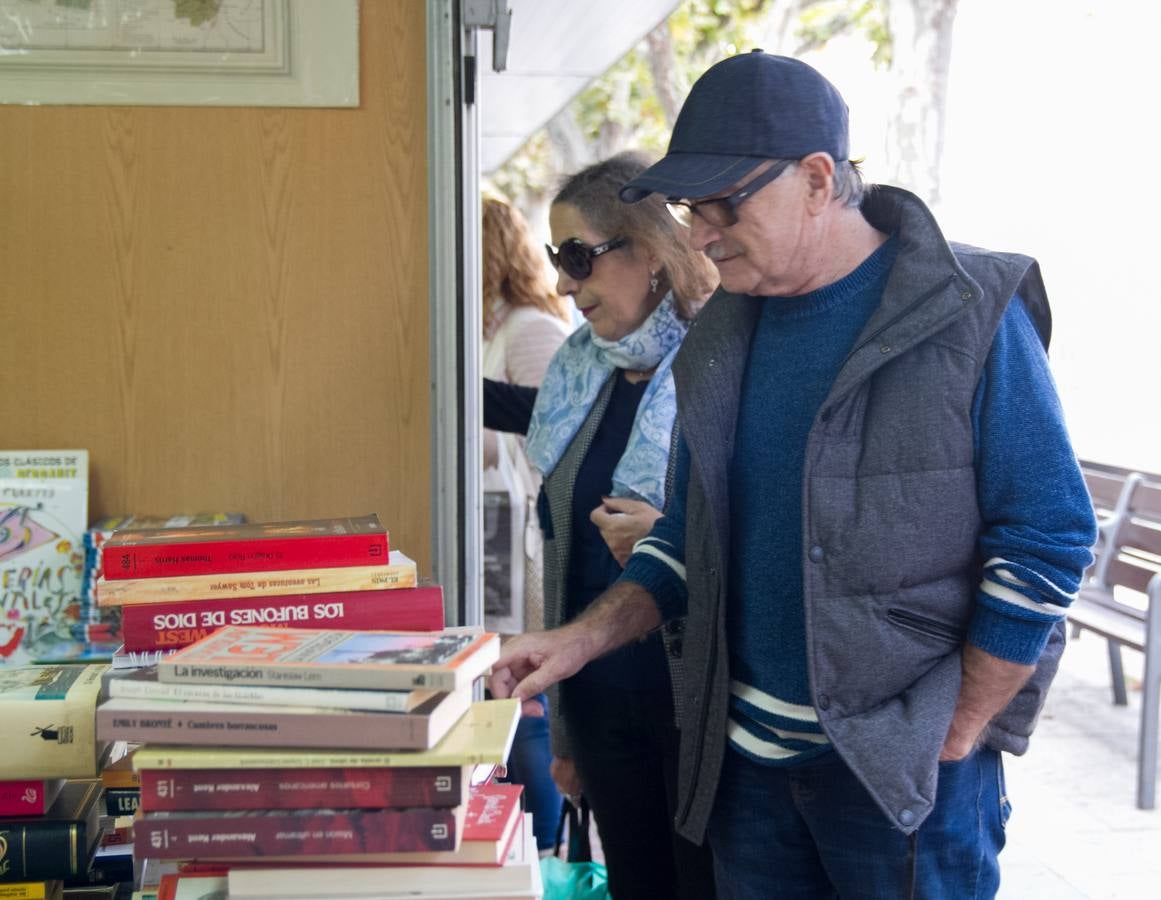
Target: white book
{"x":142,"y":684}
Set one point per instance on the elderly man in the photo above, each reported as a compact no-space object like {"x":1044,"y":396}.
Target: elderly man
{"x":877,"y":519}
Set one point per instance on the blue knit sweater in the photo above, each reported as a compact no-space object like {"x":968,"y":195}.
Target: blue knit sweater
{"x":1034,"y":556}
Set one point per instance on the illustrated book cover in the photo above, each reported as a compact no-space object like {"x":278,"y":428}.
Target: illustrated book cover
{"x":303,"y":657}
{"x":48,"y":721}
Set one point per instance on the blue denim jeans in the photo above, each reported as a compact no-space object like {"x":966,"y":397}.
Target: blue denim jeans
{"x":813,"y":831}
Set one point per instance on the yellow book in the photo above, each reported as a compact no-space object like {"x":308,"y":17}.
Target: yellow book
{"x":400,"y":572}
{"x":483,"y":735}
{"x":49,"y":716}
{"x":32,"y":890}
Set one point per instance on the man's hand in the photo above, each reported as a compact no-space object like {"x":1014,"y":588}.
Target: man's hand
{"x":623,"y":523}
{"x":532,"y":663}
{"x":563,"y":771}
{"x":989,"y":684}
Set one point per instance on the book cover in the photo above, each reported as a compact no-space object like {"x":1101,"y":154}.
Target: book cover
{"x":28,"y":797}
{"x":56,"y":845}
{"x":254,"y":547}
{"x":303,"y":657}
{"x":164,"y":626}
{"x":239,"y":725}
{"x":32,"y":890}
{"x":207,"y":789}
{"x":191,"y":886}
{"x":482,"y":736}
{"x":398,"y":572}
{"x":509,"y":872}
{"x":142,"y":684}
{"x":48,"y":721}
{"x":218,"y":834}
{"x":122,"y":801}
{"x":120,"y":774}
{"x":44,"y":509}
{"x":124,"y":660}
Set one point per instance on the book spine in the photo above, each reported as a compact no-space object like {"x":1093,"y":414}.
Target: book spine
{"x":245,"y":555}
{"x":122,"y":801}
{"x":185,"y":588}
{"x":23,"y":798}
{"x":335,"y":698}
{"x":41,"y":850}
{"x":210,"y":789}
{"x":24,"y":890}
{"x":202,"y":836}
{"x":53,"y":738}
{"x":163,"y":626}
{"x":245,"y":727}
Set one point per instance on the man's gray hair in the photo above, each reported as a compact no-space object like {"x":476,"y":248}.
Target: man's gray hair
{"x":849,"y":186}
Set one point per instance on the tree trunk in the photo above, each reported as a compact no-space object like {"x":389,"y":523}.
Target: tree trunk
{"x":663,"y":66}
{"x":921,"y":33}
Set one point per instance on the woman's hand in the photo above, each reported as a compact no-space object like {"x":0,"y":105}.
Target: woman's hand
{"x":623,"y":523}
{"x":567,"y":780}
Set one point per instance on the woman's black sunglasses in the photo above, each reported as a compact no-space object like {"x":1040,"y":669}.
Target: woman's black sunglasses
{"x":576,"y":257}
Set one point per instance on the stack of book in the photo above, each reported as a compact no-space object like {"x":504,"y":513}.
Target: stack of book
{"x":175,"y":586}
{"x":49,"y":793}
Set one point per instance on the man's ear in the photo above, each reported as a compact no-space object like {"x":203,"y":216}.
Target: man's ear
{"x":819,"y":171}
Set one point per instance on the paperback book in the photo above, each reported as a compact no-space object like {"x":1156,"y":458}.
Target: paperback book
{"x":44,"y":504}
{"x":239,"y":725}
{"x":208,"y":789}
{"x":482,"y":736}
{"x":398,"y":572}
{"x":28,"y":797}
{"x":254,"y":547}
{"x":143,"y":684}
{"x":295,"y":657}
{"x":167,"y":626}
{"x":48,"y":721}
{"x":309,"y":832}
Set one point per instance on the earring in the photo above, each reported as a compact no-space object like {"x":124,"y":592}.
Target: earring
{"x":653,"y":282}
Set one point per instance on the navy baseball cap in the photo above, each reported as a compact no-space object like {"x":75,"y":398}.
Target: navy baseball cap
{"x":742,"y":111}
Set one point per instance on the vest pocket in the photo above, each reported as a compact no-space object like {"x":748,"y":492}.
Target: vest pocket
{"x":923,"y":625}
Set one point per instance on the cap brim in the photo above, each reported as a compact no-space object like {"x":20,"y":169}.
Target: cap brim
{"x":689,"y":176}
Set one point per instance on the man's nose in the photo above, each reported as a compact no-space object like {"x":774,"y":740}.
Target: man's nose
{"x":702,"y":233}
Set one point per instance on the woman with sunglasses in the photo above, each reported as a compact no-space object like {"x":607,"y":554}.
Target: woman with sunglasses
{"x":600,"y":435}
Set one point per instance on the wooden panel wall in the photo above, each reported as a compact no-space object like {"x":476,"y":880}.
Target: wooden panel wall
{"x":228,"y":307}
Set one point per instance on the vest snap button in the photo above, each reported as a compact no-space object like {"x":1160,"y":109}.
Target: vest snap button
{"x":885,"y":348}
{"x":824,"y":701}
{"x":906,"y":817}
{"x":816,"y":553}
{"x":966,"y":295}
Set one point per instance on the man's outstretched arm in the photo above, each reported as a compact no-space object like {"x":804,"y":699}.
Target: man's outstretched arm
{"x":531,"y":663}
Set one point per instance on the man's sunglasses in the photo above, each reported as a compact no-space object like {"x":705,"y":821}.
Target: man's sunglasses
{"x":722,"y":212}
{"x":576,"y":257}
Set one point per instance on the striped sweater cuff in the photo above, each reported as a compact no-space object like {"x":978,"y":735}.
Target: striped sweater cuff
{"x":654,"y":568}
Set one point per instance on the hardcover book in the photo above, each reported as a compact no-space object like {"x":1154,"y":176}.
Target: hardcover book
{"x":44,"y":503}
{"x":256,"y":547}
{"x":206,"y":789}
{"x":303,"y":657}
{"x":447,"y":874}
{"x":56,"y":845}
{"x":142,"y":684}
{"x":28,"y":797}
{"x":398,"y":572}
{"x":48,"y":721}
{"x":239,"y":725}
{"x":311,"y":832}
{"x":482,"y":736}
{"x":166,"y":626}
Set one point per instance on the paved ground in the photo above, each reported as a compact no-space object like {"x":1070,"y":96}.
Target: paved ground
{"x":1075,"y":830}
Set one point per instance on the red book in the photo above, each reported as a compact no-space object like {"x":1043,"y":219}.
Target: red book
{"x":346,"y":788}
{"x":165,"y":626}
{"x":231,"y":549}
{"x":257,"y":833}
{"x":28,"y":797}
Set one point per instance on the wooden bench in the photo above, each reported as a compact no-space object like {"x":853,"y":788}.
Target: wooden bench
{"x":1128,"y":559}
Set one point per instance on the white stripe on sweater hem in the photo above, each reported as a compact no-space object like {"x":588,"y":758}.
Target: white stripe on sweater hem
{"x":771,"y":704}
{"x":1015,"y":598}
{"x":758,"y":747}
{"x":998,"y":563}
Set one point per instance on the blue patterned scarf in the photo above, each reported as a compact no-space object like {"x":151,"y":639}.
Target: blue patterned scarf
{"x":575,"y":377}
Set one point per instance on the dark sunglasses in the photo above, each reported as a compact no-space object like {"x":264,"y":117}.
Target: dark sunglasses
{"x":722,"y":212}
{"x":576,"y":257}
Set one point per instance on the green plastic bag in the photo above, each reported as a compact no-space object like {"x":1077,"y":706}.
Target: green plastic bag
{"x":578,"y":878}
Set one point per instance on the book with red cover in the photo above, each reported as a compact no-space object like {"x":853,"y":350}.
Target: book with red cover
{"x":256,"y":547}
{"x":164,"y":626}
{"x":28,"y":796}
{"x":346,"y":788}
{"x":309,"y":832}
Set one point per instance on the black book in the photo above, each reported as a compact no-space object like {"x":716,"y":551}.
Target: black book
{"x":58,"y":844}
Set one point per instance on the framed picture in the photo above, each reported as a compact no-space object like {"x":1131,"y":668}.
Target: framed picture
{"x":180,"y":52}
